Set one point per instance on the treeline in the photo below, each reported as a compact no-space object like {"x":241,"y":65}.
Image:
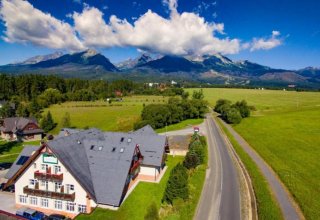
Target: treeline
{"x":177,"y":109}
{"x":28,"y":87}
{"x":26,"y":95}
{"x":233,"y":113}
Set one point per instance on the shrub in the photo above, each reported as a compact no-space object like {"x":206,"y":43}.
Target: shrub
{"x":233,"y":116}
{"x":177,"y":185}
{"x":219,"y":105}
{"x":243,"y":108}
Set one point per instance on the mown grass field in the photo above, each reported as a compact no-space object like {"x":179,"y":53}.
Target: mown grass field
{"x":285,"y":131}
{"x":181,"y":125}
{"x":117,"y":116}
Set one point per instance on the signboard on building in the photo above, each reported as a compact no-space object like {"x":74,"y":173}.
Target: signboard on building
{"x":49,"y":158}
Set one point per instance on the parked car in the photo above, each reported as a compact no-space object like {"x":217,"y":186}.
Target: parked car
{"x":4,"y":166}
{"x":30,"y":214}
{"x":57,"y":217}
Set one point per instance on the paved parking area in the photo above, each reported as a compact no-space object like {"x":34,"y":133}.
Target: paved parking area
{"x":7,"y":202}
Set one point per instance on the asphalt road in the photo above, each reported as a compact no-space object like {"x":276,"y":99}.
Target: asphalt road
{"x":289,"y":209}
{"x":220,"y":198}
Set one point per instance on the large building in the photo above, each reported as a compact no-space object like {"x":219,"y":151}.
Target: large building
{"x":80,"y":170}
{"x":20,"y":129}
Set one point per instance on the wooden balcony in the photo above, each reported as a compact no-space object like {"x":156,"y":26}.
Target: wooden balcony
{"x":48,"y":176}
{"x":135,"y":165}
{"x":49,"y":194}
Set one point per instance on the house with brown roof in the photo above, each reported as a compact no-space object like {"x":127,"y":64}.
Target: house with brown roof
{"x":21,"y":129}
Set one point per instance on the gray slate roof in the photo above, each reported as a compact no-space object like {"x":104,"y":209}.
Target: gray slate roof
{"x":145,"y":130}
{"x":100,"y":161}
{"x":27,"y":151}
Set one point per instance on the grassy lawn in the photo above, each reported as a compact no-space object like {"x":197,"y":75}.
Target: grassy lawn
{"x":117,"y":116}
{"x":290,"y":143}
{"x":181,"y":125}
{"x":135,"y":206}
{"x":285,"y":131}
{"x":9,"y":151}
{"x":267,"y":206}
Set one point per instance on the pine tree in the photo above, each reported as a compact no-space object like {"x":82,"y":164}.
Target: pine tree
{"x":191,"y":160}
{"x":47,"y":122}
{"x":177,"y":185}
{"x":66,"y":120}
{"x":152,"y":212}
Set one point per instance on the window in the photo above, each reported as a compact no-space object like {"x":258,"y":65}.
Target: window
{"x":44,"y":184}
{"x":33,"y":200}
{"x":70,"y":206}
{"x":58,"y":204}
{"x":32,"y":182}
{"x":22,"y":199}
{"x":44,"y":202}
{"x":57,"y":186}
{"x":70,"y":187}
{"x":57,"y":169}
{"x":44,"y":167}
{"x":82,"y":208}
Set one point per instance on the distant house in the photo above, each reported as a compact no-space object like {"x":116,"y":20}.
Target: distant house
{"x":83,"y":169}
{"x":20,"y":129}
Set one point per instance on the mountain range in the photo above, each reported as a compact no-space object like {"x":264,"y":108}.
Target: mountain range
{"x":215,"y":69}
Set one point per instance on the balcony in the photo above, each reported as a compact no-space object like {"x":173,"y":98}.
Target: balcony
{"x":49,"y":194}
{"x":48,"y":176}
{"x":135,"y":165}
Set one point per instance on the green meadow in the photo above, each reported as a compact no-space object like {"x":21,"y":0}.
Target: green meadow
{"x":117,"y":116}
{"x":285,"y":131}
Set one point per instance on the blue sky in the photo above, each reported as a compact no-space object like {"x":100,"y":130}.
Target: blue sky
{"x":280,"y":34}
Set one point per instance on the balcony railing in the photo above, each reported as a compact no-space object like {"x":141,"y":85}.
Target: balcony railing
{"x":49,"y":194}
{"x":48,"y":176}
{"x":135,"y":165}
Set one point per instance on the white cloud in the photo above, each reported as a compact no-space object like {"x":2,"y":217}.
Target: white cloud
{"x":25,"y":24}
{"x":266,"y":43}
{"x":181,"y":34}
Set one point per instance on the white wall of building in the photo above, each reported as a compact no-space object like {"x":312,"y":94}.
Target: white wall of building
{"x":24,"y":180}
{"x":149,"y":171}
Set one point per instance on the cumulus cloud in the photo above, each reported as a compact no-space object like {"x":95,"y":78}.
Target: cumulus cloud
{"x":266,"y":43}
{"x":186,"y":34}
{"x":181,"y":34}
{"x":25,"y":24}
